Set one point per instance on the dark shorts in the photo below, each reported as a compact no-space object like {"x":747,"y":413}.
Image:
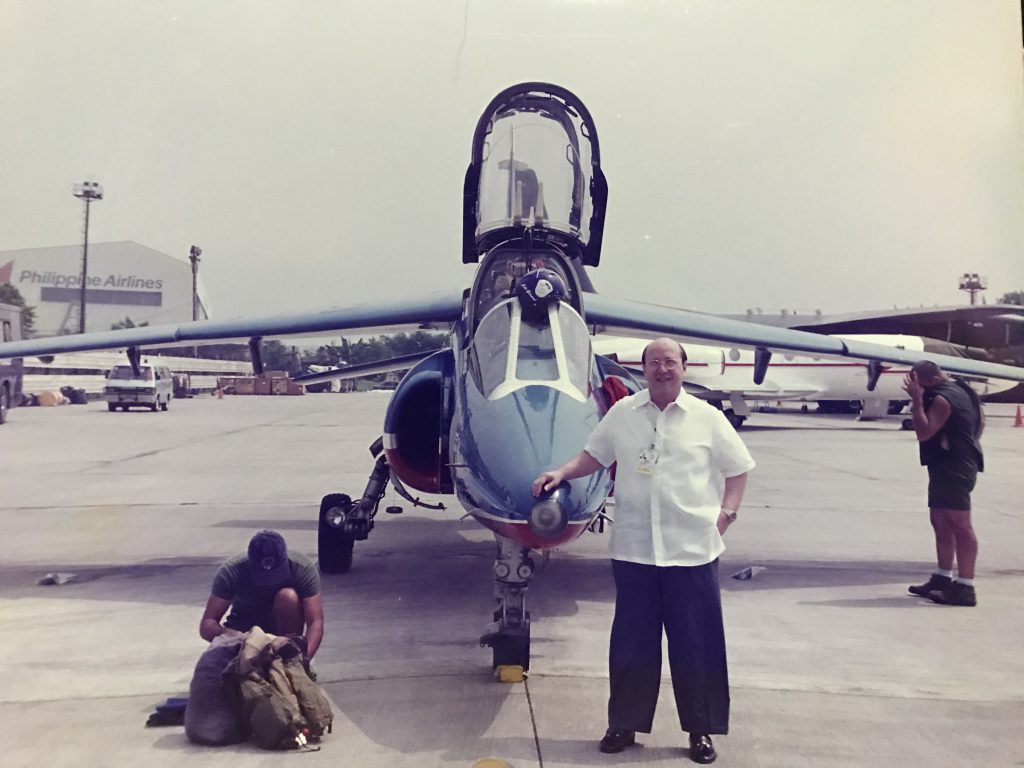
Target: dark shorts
{"x":243,"y":622}
{"x":950,"y":485}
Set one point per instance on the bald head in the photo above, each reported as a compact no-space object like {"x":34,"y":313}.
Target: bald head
{"x":662,"y":346}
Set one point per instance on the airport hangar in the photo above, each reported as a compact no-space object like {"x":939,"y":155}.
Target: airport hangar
{"x":125,"y":279}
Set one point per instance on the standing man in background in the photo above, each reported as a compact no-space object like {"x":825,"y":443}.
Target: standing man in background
{"x":673,"y":452}
{"x":948,"y":421}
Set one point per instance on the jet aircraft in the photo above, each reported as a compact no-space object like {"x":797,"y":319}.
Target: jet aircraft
{"x":521,"y":386}
{"x":722,"y":375}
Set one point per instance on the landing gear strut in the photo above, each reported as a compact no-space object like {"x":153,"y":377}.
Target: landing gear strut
{"x":343,"y":521}
{"x":509,"y":635}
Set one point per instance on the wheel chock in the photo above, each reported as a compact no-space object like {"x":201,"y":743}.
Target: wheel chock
{"x":509,"y":673}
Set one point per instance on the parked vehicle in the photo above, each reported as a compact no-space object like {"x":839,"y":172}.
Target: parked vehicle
{"x":10,"y":370}
{"x":153,"y":387}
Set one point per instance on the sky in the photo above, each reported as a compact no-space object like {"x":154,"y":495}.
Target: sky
{"x":774,"y":154}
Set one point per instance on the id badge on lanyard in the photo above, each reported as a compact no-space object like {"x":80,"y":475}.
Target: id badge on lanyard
{"x":647,"y":460}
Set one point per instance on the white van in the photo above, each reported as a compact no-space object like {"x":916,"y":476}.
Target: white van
{"x":152,"y":388}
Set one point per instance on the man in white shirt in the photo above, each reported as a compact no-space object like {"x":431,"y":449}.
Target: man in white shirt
{"x":674,"y":454}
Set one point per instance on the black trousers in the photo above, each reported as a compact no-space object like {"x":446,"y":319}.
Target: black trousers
{"x":686,"y":602}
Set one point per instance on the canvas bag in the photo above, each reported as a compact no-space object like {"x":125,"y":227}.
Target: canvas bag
{"x":282,"y":706}
{"x":211,"y":715}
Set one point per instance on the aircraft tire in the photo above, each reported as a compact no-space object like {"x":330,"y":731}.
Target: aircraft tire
{"x":511,"y":650}
{"x":334,"y":547}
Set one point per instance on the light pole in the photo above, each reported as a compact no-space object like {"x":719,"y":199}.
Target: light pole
{"x":973,"y":283}
{"x":193,"y":255}
{"x":87,"y":192}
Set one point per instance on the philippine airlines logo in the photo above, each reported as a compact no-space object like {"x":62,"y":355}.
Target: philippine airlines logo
{"x":6,"y":271}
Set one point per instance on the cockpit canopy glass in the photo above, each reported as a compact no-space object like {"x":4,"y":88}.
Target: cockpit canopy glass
{"x":510,"y":353}
{"x":536,"y":170}
{"x":503,"y":269}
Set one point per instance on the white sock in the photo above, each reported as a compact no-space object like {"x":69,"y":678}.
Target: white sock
{"x":965,"y":582}
{"x":940,"y":572}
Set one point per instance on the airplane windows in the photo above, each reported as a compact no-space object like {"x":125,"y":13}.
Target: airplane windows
{"x":734,"y":354}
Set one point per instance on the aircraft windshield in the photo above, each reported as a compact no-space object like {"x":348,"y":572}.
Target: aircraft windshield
{"x":503,"y":269}
{"x":511,"y":353}
{"x":536,"y":169}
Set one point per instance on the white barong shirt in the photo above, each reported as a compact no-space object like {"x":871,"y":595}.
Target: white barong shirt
{"x":669,"y":476}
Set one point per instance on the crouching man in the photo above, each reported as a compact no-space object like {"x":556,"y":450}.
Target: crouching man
{"x":269,"y":587}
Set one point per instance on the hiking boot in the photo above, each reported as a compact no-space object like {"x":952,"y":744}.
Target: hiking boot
{"x":936,"y":583}
{"x":954,"y":594}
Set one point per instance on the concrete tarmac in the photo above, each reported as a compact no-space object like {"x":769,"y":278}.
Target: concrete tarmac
{"x":832,"y":663}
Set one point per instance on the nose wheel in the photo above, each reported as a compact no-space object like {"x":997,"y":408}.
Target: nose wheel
{"x":509,"y":635}
{"x":334,"y":545}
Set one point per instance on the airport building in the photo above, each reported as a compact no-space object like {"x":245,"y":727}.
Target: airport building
{"x":125,"y":280}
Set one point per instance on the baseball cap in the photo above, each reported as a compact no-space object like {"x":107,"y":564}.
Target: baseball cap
{"x":268,"y":559}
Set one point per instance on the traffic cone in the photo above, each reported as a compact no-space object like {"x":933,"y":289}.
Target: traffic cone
{"x":1018,"y":421}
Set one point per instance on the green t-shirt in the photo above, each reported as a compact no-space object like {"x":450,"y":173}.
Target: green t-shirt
{"x":233,"y":582}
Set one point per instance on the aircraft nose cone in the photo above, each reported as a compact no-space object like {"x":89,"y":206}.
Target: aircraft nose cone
{"x":548,"y":518}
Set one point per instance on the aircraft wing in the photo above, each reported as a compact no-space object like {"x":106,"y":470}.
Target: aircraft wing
{"x":388,"y":365}
{"x":632,"y":318}
{"x":429,"y":312}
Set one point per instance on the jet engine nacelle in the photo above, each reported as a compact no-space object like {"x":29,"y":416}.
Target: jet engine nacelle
{"x":417,"y":423}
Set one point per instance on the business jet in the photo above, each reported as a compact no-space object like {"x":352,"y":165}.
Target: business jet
{"x":723,"y":375}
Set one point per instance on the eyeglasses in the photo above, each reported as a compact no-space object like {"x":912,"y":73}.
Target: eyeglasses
{"x":669,"y":364}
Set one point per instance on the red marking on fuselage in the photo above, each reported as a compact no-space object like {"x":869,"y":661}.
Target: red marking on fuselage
{"x":781,"y":365}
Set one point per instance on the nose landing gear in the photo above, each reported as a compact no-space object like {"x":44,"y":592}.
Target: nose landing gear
{"x":509,"y":635}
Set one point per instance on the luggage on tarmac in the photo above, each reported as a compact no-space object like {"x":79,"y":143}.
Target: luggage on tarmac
{"x":211,"y":716}
{"x":278,"y":702}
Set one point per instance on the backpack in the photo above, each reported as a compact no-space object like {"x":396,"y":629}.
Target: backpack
{"x":211,"y":715}
{"x":282,"y":706}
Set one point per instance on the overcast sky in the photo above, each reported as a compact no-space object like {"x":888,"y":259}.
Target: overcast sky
{"x":759,"y":153}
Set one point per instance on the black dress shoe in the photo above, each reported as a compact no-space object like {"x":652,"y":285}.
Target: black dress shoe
{"x":701,"y":748}
{"x":616,"y":740}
